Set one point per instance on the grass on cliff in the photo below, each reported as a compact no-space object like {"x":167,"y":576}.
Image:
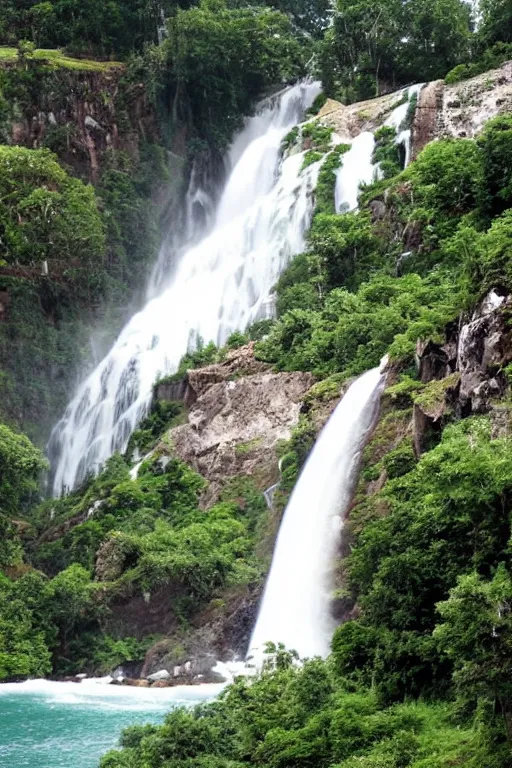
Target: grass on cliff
{"x":56,"y":59}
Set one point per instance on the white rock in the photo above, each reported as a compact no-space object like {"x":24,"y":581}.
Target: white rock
{"x":162,"y":674}
{"x":91,"y":124}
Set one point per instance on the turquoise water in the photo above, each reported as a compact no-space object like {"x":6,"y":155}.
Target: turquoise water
{"x":68,"y":725}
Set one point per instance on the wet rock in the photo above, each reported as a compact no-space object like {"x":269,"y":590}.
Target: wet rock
{"x":221,"y":632}
{"x":378,"y":210}
{"x":438,"y":400}
{"x":128,"y":669}
{"x":170,"y":390}
{"x":110,"y":560}
{"x":484,"y":348}
{"x":501,"y":420}
{"x":426,"y":119}
{"x":91,"y":124}
{"x":432,"y":361}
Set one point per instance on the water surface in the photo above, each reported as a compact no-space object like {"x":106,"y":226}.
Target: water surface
{"x":67,"y":725}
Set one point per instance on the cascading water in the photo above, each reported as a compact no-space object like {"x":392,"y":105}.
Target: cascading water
{"x":219,"y":285}
{"x":358,"y":167}
{"x":296,"y":604}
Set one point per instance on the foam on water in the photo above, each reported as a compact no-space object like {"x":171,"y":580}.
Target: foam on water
{"x":99,"y":694}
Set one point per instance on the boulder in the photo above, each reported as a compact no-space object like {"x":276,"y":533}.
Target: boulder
{"x":162,"y":674}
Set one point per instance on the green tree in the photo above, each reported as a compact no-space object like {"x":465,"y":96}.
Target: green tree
{"x":23,"y":651}
{"x":21,"y":465}
{"x":496,"y":21}
{"x":362,"y":45}
{"x":476,"y":635}
{"x":439,"y":37}
{"x":45,"y":214}
{"x":71,"y":605}
{"x":222,"y":59}
{"x":373,"y":48}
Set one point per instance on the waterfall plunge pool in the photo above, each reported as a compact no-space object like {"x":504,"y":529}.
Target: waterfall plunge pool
{"x":45,"y":724}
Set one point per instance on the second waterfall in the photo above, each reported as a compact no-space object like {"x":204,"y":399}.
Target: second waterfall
{"x":295,"y":609}
{"x":220,"y":285}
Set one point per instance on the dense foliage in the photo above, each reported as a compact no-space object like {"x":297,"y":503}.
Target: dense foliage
{"x":429,"y":567}
{"x":420,"y":675}
{"x":293,"y":717}
{"x":216,"y":61}
{"x":46,"y":215}
{"x":91,"y":27}
{"x":372,"y":48}
{"x":359,"y":292}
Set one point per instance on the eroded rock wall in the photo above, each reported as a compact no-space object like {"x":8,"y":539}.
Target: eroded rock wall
{"x":459,"y":110}
{"x":239,"y":412}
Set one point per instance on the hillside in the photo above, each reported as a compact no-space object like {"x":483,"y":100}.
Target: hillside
{"x":376,"y":228}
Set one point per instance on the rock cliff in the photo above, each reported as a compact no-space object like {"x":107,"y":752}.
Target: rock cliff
{"x":79,"y":113}
{"x":459,"y":110}
{"x":240,"y":412}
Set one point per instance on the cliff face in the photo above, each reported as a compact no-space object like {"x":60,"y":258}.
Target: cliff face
{"x":241,"y":411}
{"x":459,"y":110}
{"x":103,"y":128}
{"x":78,"y":113}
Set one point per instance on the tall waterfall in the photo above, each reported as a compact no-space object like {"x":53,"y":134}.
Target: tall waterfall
{"x":296,"y":604}
{"x":220,"y":285}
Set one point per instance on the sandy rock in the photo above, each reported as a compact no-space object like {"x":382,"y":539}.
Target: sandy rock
{"x":241,"y":412}
{"x":459,"y":110}
{"x":134,"y":683}
{"x":468,"y":105}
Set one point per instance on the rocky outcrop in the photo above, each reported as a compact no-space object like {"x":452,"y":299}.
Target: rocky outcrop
{"x":459,"y":110}
{"x":484,"y":349}
{"x":220,"y":633}
{"x":468,"y":105}
{"x":350,"y":120}
{"x":81,"y":114}
{"x":240,"y":412}
{"x":238,"y":362}
{"x":425,"y":123}
{"x":465,"y":374}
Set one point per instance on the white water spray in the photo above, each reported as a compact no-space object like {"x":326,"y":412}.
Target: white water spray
{"x":220,"y":285}
{"x":357,"y":164}
{"x":295,"y":609}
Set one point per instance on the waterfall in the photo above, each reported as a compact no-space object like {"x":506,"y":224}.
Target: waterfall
{"x":357,"y":167}
{"x":295,"y":609}
{"x":220,"y":284}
